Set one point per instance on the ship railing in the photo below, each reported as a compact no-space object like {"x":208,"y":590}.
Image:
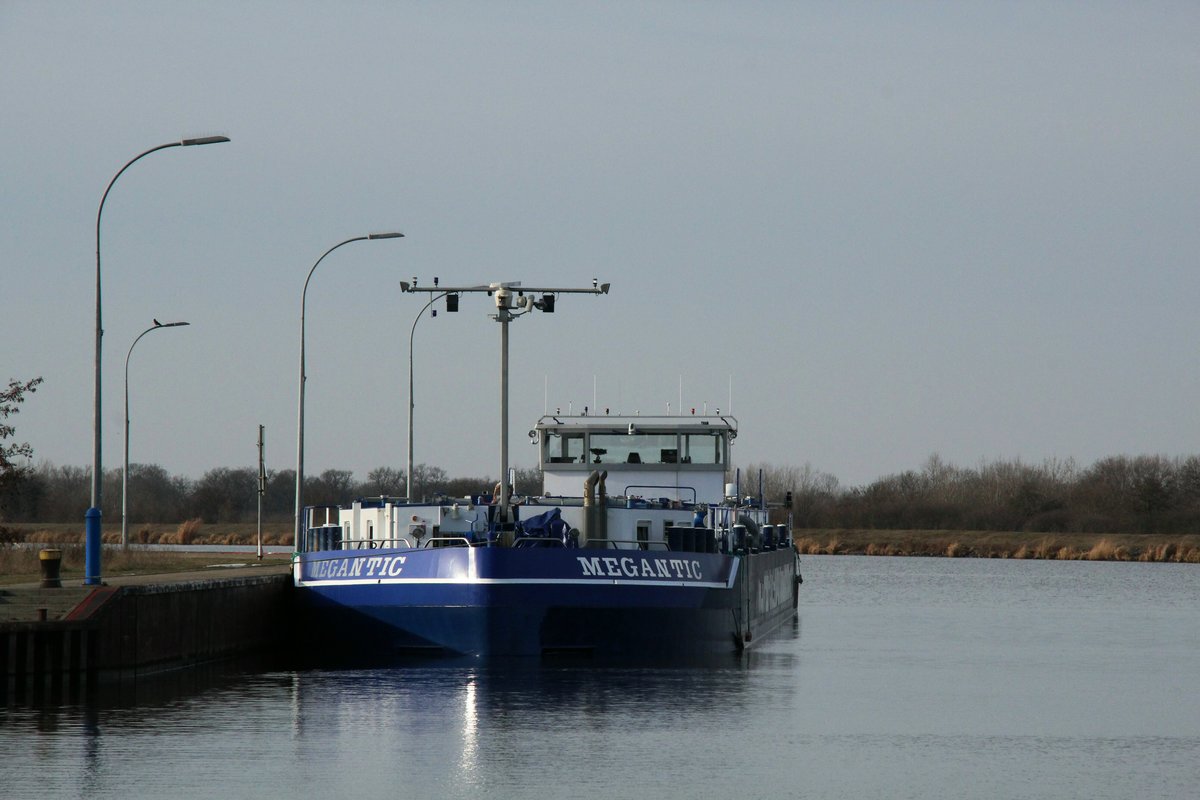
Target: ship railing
{"x":539,"y":541}
{"x":400,"y":542}
{"x":691,"y":489}
{"x":625,"y":544}
{"x":447,"y":541}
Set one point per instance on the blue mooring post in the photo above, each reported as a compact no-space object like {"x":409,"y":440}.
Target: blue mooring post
{"x":91,"y":545}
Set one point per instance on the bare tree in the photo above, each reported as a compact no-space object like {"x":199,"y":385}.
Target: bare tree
{"x":13,"y":473}
{"x":385,"y":481}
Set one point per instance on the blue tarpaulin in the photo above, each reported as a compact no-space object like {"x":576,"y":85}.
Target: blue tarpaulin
{"x":547,"y":525}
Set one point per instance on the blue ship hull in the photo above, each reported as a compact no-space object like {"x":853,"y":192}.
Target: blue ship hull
{"x":502,"y":602}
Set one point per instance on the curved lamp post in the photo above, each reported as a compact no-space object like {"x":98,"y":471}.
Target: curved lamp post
{"x":92,"y":518}
{"x":125,"y":471}
{"x":300,"y":391}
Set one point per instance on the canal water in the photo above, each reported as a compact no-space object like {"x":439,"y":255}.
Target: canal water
{"x":901,"y":678}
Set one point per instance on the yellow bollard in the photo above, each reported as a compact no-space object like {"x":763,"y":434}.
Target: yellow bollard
{"x":51,"y":563}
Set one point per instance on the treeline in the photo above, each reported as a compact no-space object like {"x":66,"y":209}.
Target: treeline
{"x":49,"y":493}
{"x":1119,"y":494}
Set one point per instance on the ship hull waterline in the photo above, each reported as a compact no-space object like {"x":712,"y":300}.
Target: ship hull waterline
{"x":498,"y":602}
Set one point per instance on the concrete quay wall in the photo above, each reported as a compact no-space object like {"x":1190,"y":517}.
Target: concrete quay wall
{"x":122,"y":631}
{"x":176,"y":624}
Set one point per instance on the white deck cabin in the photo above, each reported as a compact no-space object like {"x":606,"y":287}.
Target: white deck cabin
{"x":659,"y":469}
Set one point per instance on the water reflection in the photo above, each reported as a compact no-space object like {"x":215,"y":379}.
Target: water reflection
{"x":900,"y":678}
{"x":468,"y":761}
{"x":471,"y":726}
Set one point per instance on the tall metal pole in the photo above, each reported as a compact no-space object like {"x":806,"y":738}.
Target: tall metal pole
{"x":503,"y":293}
{"x":262,"y":483}
{"x":411,"y":400}
{"x":299,"y":522}
{"x":125,"y":468}
{"x":504,"y":317}
{"x":93,"y":517}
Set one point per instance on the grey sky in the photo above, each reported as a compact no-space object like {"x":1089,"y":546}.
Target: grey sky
{"x":962,"y":228}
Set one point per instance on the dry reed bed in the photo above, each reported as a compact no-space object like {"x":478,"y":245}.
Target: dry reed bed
{"x":952,"y":544}
{"x":965,"y":544}
{"x":191,"y":531}
{"x":20,"y":564}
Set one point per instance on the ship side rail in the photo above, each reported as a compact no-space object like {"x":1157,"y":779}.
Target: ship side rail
{"x":400,"y":542}
{"x":447,"y":541}
{"x":324,"y":541}
{"x":691,"y":489}
{"x":539,"y":541}
{"x":625,"y":544}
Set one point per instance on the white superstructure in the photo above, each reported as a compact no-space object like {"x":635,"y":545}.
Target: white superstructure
{"x":680,"y":458}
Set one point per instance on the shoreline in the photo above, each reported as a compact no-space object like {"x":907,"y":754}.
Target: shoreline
{"x":1148,"y":547}
{"x":159,"y":551}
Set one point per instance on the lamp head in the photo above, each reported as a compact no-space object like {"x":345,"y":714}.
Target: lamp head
{"x":204,"y":140}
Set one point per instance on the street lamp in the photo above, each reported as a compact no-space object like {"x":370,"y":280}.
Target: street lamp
{"x":432,"y":300}
{"x":92,"y":518}
{"x":125,"y":471}
{"x":300,"y":391}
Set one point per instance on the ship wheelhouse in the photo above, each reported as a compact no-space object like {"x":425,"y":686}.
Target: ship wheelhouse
{"x":680,"y":458}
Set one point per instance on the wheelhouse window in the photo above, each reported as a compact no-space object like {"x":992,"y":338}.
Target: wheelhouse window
{"x":703,"y":448}
{"x":564,"y":448}
{"x":561,"y":446}
{"x":637,"y":448}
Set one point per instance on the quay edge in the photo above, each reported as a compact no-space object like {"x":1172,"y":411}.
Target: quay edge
{"x":118,"y":632}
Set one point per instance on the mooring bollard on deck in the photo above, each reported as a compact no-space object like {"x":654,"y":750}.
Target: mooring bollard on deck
{"x":51,"y":563}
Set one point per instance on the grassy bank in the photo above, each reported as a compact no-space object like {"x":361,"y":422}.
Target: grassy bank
{"x":992,"y":544}
{"x":20,"y":565}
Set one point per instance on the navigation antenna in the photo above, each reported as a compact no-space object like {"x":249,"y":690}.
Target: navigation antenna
{"x":512,"y":300}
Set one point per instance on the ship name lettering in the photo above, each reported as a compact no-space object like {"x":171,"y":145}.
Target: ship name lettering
{"x":590,"y":566}
{"x":389,"y":566}
{"x":774,"y":591}
{"x":627,"y":567}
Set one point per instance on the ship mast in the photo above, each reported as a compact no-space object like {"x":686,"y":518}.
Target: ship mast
{"x":512,"y":300}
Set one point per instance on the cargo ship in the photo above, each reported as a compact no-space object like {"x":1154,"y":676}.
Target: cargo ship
{"x":637,"y":545}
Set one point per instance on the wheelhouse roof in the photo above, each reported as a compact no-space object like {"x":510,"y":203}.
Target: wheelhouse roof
{"x":642,"y":424}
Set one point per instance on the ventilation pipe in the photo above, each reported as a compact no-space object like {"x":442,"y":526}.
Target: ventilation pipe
{"x":595,"y":507}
